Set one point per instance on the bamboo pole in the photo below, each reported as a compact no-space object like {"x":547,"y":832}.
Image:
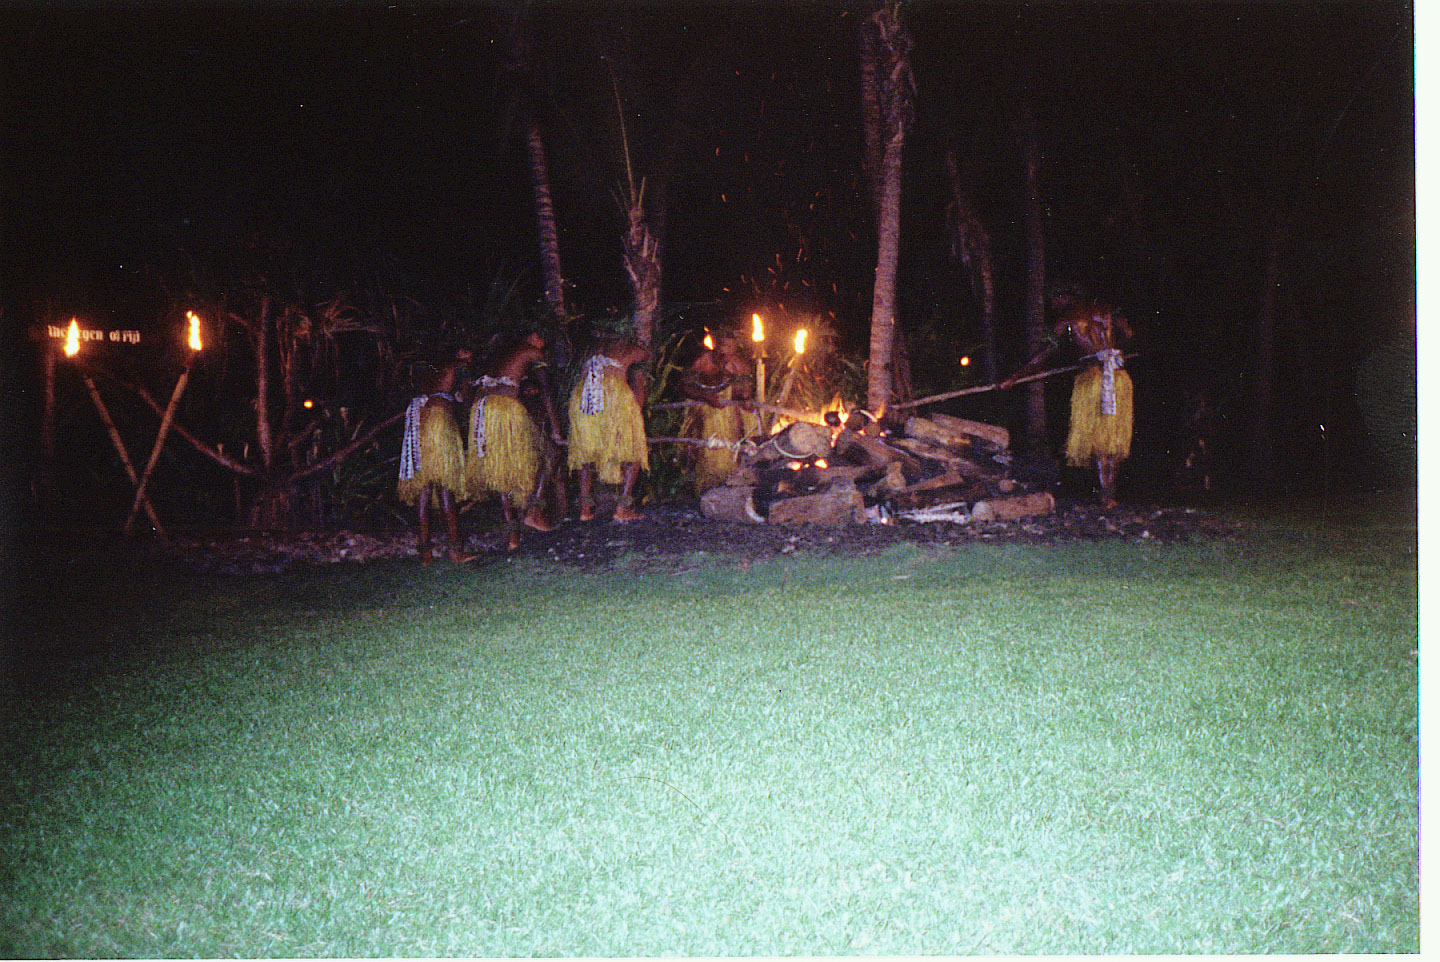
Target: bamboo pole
{"x":981,"y":389}
{"x":165,"y":421}
{"x":119,"y":444}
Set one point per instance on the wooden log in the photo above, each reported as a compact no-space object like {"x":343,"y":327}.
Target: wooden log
{"x":993,"y":433}
{"x":1016,"y":506}
{"x":798,"y":441}
{"x":835,"y":505}
{"x":730,"y":503}
{"x":873,"y":451}
{"x":977,"y":466}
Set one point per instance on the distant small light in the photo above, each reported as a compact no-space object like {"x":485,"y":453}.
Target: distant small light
{"x":309,"y":404}
{"x":965,"y":361}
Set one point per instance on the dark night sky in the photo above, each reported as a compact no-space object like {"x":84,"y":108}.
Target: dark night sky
{"x":1171,"y":135}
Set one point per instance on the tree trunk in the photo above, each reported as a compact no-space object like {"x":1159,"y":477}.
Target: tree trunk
{"x":1261,"y":415}
{"x":262,"y":386}
{"x":642,"y":264}
{"x":521,"y":70}
{"x":873,"y":117}
{"x":1036,"y":329}
{"x":896,"y":92}
{"x":550,"y":272}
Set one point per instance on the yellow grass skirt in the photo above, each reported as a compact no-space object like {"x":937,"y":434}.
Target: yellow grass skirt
{"x":711,"y":466}
{"x":441,"y":455}
{"x":1095,"y":435}
{"x":511,"y":463}
{"x":613,"y":437}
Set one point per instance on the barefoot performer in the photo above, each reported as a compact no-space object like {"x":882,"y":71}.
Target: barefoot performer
{"x":505,"y":456}
{"x":723,"y":377}
{"x":1102,"y":401}
{"x":432,"y":457}
{"x":607,"y":424}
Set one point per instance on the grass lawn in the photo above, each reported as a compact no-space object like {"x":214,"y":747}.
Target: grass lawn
{"x":987,"y":749}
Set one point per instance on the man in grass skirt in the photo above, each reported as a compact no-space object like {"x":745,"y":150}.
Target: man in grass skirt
{"x":724,"y":379}
{"x":607,"y":424}
{"x":505,"y":455}
{"x":432,"y":457}
{"x":1102,"y":400}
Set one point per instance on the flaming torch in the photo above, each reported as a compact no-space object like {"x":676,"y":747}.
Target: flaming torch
{"x":757,"y":335}
{"x":794,"y":366}
{"x":72,"y":338}
{"x":194,"y":343}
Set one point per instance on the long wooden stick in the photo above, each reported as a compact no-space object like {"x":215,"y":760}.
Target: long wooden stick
{"x":119,"y":444}
{"x":791,"y":413}
{"x":981,"y":389}
{"x":165,"y":420}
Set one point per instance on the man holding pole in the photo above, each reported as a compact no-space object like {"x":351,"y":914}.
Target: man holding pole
{"x":1101,"y":402}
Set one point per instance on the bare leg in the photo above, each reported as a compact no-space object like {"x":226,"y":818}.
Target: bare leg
{"x":422,"y":511}
{"x":512,"y":531}
{"x":625,"y":510}
{"x":452,"y":527}
{"x":1107,"y":469}
{"x":556,"y":478}
{"x":535,"y":511}
{"x":587,"y":493}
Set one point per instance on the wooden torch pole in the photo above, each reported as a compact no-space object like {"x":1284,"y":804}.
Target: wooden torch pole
{"x":165,"y":422}
{"x":119,"y":444}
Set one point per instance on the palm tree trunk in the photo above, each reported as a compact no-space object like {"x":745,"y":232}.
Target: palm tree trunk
{"x":550,"y":271}
{"x":896,"y":95}
{"x":642,"y":264}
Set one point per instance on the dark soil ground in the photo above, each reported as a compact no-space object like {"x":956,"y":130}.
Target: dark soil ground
{"x":675,"y":535}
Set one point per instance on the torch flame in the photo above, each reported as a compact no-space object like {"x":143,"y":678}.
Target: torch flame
{"x":709,"y":342}
{"x":195,"y":343}
{"x":757,"y":328}
{"x":800,"y":341}
{"x":965,"y":361}
{"x":72,"y":339}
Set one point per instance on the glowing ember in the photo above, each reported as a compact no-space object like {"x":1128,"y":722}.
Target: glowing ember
{"x":195,"y":343}
{"x":800,"y":341}
{"x":309,"y":403}
{"x":72,"y":339}
{"x":821,"y":463}
{"x":795,"y":465}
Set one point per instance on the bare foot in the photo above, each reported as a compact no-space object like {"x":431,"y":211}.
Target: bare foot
{"x":536,"y":520}
{"x":512,"y":542}
{"x":587,"y":512}
{"x":625,"y":512}
{"x":426,"y":558}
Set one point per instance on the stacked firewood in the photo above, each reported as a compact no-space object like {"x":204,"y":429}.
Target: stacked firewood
{"x":936,"y":468}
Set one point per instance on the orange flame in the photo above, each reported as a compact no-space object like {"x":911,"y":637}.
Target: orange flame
{"x":195,"y":342}
{"x":800,"y":341}
{"x":72,"y":339}
{"x":709,"y":342}
{"x":757,"y":328}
